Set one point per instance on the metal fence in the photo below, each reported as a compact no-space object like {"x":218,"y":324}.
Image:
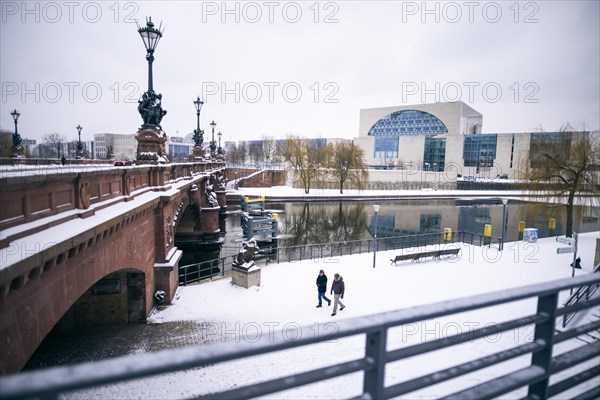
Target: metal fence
{"x":218,"y":267}
{"x":581,"y":295}
{"x":50,"y":383}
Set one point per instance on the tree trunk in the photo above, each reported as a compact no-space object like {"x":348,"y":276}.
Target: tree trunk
{"x":570,"y":200}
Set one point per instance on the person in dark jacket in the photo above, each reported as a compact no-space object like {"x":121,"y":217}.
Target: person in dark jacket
{"x":337,"y":288}
{"x":322,"y":288}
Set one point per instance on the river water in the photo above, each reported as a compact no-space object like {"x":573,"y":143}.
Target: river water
{"x":334,"y":221}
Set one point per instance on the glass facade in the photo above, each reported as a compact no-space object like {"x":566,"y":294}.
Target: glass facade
{"x":434,"y":155}
{"x":480,"y":150}
{"x":408,"y":122}
{"x":551,"y":144}
{"x":386,"y":147}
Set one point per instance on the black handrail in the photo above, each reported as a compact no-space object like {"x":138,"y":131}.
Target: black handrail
{"x":583,"y":294}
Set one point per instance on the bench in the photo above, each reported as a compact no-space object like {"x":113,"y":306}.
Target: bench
{"x":436,"y":254}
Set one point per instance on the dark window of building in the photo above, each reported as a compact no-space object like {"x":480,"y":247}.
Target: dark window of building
{"x":434,"y":155}
{"x":480,"y":150}
{"x":408,"y":122}
{"x":546,"y":145}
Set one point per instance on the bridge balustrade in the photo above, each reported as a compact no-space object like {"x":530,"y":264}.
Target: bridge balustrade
{"x":533,"y":375}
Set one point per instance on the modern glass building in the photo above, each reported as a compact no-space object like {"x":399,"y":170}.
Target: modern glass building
{"x":479,"y":150}
{"x":440,"y":137}
{"x":408,"y":122}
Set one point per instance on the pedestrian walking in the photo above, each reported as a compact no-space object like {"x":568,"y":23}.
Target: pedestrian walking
{"x":337,"y":289}
{"x":322,"y":288}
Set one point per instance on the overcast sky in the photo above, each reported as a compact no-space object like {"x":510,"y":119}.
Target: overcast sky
{"x":276,"y":68}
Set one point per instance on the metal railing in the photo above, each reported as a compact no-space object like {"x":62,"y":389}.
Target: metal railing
{"x":583,"y":294}
{"x":206,"y":270}
{"x":50,"y":383}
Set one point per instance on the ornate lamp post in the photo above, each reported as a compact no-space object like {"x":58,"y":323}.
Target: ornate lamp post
{"x":151,"y":139}
{"x":219,"y":149}
{"x":150,"y":36}
{"x":376,"y":209}
{"x":198,"y":134}
{"x":16,"y":149}
{"x":213,"y":144}
{"x":150,"y":106}
{"x":79,"y":144}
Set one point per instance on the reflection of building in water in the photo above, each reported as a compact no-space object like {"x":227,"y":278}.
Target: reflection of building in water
{"x":326,"y":222}
{"x":396,"y":219}
{"x":473,"y":218}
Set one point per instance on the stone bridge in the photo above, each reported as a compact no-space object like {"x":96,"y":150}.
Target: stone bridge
{"x":88,"y":245}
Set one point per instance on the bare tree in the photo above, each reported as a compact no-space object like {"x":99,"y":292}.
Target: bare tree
{"x":242,"y":152}
{"x":54,"y":141}
{"x":5,"y":143}
{"x":268,"y":145}
{"x":347,"y":164}
{"x":304,"y":159}
{"x":564,"y":165}
{"x":231,"y":152}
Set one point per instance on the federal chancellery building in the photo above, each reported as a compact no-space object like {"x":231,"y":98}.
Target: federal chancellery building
{"x":444,"y":137}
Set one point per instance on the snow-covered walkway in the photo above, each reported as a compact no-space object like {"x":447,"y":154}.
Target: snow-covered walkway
{"x":287,"y":298}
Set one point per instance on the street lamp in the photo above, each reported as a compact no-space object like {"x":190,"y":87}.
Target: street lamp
{"x":376,"y":208}
{"x":17,"y":149}
{"x":504,"y":202}
{"x":213,"y":144}
{"x":150,"y":36}
{"x":220,"y":150}
{"x":198,"y":134}
{"x":79,"y":144}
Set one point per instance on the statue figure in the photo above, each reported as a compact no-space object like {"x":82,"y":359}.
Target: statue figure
{"x":211,"y":196}
{"x":150,"y":108}
{"x":198,"y":137}
{"x":246,"y":253}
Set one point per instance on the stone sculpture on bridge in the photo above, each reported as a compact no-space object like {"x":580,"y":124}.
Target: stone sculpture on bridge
{"x":150,"y":108}
{"x":211,"y":196}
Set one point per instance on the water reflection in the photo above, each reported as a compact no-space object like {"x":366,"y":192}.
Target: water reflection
{"x":325,"y":222}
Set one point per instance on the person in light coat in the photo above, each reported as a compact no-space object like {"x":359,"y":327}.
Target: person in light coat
{"x":337,"y":289}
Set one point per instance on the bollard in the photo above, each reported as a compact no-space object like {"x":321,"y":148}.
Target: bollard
{"x":521,"y":229}
{"x":447,"y":234}
{"x":552,"y":226}
{"x":487,"y":233}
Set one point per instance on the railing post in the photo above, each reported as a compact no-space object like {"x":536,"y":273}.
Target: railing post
{"x":376,"y":343}
{"x":544,"y":331}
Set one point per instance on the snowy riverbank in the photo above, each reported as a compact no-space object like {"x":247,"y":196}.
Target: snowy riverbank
{"x":287,"y":298}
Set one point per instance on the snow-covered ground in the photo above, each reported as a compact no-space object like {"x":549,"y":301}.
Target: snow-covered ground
{"x":288,"y":191}
{"x":287,"y":298}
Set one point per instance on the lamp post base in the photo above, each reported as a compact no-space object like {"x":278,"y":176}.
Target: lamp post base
{"x":151,"y":146}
